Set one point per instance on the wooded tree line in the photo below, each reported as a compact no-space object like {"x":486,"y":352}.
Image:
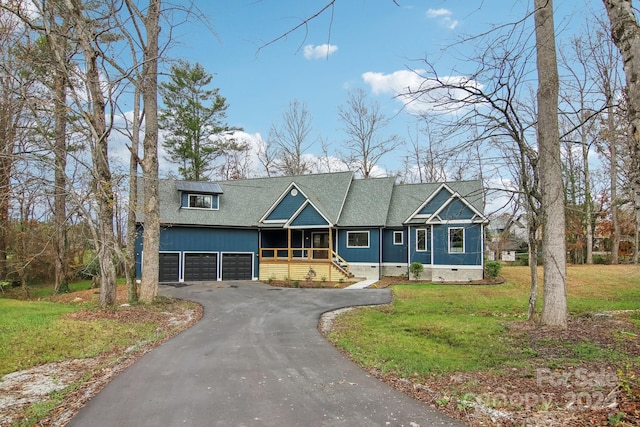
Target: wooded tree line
{"x":75,"y":73}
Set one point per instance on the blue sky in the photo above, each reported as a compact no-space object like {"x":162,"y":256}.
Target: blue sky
{"x":373,"y":44}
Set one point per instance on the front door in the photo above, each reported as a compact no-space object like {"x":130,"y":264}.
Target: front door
{"x":320,"y":245}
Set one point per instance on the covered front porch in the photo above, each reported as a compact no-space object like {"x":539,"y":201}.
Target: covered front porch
{"x":301,"y":254}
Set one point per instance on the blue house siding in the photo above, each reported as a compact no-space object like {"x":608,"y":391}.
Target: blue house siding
{"x":208,"y":239}
{"x":423,"y":257}
{"x":456,"y":210}
{"x":472,"y":242}
{"x":309,"y":216}
{"x":435,"y":203}
{"x":370,"y":254}
{"x":392,"y":252}
{"x":287,"y":207}
{"x":194,"y":239}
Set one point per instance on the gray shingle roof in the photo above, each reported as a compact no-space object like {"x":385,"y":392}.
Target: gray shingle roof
{"x":243,"y":202}
{"x":345,"y":201}
{"x":368,"y":202}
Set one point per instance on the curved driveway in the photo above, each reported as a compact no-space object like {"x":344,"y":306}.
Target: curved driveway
{"x":255,"y":359}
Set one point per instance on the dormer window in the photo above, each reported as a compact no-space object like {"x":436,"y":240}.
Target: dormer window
{"x":203,"y":201}
{"x":199,"y":195}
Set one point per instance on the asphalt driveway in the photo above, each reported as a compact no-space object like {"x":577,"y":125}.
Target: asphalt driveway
{"x":255,"y":359}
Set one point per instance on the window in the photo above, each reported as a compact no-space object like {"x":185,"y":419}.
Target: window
{"x":357,"y":239}
{"x":422,"y":240}
{"x":456,"y":240}
{"x":203,"y":201}
{"x":397,"y":237}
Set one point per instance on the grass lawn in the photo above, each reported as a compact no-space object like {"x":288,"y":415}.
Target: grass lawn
{"x":432,"y":331}
{"x":38,"y":332}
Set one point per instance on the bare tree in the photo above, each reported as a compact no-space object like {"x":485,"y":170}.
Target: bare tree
{"x":625,"y":32}
{"x":236,"y":163}
{"x":267,"y":157}
{"x":291,"y":139}
{"x":430,"y":160}
{"x":364,"y":126}
{"x":58,"y":54}
{"x":579,"y":121}
{"x":149,"y":164}
{"x":554,"y":306}
{"x":492,"y":105}
{"x":13,"y":98}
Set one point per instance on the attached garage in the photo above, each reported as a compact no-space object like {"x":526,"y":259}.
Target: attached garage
{"x":169,"y":264}
{"x":200,"y":267}
{"x":237,"y":266}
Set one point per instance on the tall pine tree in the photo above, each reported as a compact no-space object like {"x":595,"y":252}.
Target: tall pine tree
{"x":193,"y":120}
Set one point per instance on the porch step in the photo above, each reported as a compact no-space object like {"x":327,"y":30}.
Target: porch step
{"x":342,"y":268}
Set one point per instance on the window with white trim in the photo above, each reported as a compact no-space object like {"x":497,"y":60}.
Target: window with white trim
{"x":203,"y":201}
{"x":422,"y":240}
{"x":357,"y":239}
{"x":398,"y":237}
{"x":456,"y":239}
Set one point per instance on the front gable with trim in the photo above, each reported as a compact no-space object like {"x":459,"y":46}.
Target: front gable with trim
{"x":286,"y":206}
{"x":453,"y":228}
{"x":294,"y":209}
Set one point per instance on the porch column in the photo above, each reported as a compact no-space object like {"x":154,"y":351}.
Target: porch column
{"x":289,"y":253}
{"x":330,"y":252}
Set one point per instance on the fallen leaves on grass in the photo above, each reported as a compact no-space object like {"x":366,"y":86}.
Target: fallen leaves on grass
{"x":556,"y":388}
{"x":81,"y":379}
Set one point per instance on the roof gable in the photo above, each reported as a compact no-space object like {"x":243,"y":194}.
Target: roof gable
{"x":286,"y":206}
{"x":307,"y":216}
{"x":421,"y":203}
{"x":434,"y":202}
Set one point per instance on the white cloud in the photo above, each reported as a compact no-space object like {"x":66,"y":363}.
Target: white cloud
{"x":319,"y":52}
{"x":444,"y":18}
{"x":436,"y":13}
{"x":418,"y":93}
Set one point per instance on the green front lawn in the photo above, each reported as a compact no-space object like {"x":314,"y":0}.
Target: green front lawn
{"x":447,"y":328}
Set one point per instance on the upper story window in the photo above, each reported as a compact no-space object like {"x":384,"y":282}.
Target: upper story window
{"x":203,"y":201}
{"x":456,"y":239}
{"x":357,"y":239}
{"x":398,"y":237}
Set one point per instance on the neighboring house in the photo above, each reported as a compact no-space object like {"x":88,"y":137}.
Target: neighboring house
{"x":508,"y":235}
{"x":318,"y":227}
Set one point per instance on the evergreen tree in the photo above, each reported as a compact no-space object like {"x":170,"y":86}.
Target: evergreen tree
{"x":193,"y":120}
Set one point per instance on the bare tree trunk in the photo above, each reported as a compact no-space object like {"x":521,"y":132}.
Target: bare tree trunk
{"x":132,"y":232}
{"x":96,"y":118}
{"x":151,"y":235}
{"x":588,"y":204}
{"x":554,"y":307}
{"x":56,"y":36}
{"x":60,"y":193}
{"x":533,"y":266}
{"x":613,"y":175}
